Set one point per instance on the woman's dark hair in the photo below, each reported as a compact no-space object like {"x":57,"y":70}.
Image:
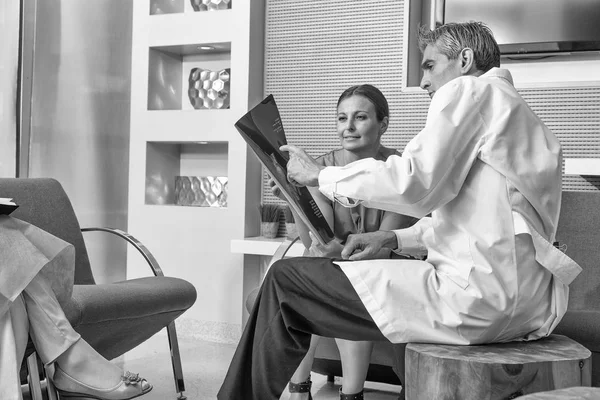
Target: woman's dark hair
{"x":373,"y":94}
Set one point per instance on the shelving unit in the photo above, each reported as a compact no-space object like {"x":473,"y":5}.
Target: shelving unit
{"x":171,"y":138}
{"x":169,"y":69}
{"x":166,"y":162}
{"x":260,"y":246}
{"x":582,"y":166}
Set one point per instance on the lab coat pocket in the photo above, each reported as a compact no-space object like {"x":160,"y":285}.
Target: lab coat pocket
{"x":462,"y":277}
{"x":460,"y":265}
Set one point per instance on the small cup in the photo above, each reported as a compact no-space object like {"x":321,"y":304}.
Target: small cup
{"x":291,"y":230}
{"x":269,"y":229}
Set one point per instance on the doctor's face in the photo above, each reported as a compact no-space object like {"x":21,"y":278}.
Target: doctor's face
{"x":437,"y":69}
{"x":357,"y":124}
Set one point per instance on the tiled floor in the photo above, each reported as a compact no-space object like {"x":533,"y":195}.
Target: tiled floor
{"x":204,"y":367}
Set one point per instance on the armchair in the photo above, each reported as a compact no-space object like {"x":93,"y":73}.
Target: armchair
{"x":116,"y":317}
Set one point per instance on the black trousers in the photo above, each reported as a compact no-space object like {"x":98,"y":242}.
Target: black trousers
{"x":299,"y":297}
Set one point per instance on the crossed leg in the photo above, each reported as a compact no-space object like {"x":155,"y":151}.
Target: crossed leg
{"x":299,"y":297}
{"x":56,"y":341}
{"x":37,"y":312}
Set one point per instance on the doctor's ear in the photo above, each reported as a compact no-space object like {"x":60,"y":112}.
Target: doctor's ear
{"x":467,"y":61}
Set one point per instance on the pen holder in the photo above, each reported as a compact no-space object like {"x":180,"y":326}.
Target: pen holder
{"x":269,"y":229}
{"x":291,"y":231}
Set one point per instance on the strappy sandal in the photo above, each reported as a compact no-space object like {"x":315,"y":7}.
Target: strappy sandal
{"x":302,"y":387}
{"x":354,"y":396}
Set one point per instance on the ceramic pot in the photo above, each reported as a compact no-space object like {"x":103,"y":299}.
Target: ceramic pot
{"x":269,"y":229}
{"x":291,"y":230}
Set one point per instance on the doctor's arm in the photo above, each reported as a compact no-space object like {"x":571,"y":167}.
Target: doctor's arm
{"x":370,"y":245}
{"x":430,"y":171}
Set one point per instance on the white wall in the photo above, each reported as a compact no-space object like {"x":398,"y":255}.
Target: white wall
{"x":9,"y":32}
{"x":80,"y":116}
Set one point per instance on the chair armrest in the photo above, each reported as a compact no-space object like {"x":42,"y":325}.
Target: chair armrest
{"x":282,"y":250}
{"x":135,"y":243}
{"x":279,"y":254}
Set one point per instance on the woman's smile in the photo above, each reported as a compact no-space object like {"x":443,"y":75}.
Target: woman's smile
{"x":357,"y":125}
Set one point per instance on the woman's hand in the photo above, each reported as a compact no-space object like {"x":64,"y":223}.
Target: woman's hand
{"x":364,"y":246}
{"x":302,"y":170}
{"x":275,"y":190}
{"x":332,"y":249}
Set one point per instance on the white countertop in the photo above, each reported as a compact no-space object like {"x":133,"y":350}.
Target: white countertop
{"x":582,"y":166}
{"x":264,"y":247}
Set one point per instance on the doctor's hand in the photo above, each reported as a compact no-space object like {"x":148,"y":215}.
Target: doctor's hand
{"x":302,"y":170}
{"x":364,"y":246}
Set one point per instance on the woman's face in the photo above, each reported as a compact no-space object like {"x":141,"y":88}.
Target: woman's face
{"x":357,"y":124}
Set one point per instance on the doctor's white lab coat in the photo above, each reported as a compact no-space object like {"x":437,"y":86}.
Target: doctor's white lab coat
{"x":489,"y":172}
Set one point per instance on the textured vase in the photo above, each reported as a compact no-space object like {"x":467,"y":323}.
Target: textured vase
{"x":201,"y":191}
{"x":269,"y":229}
{"x":209,"y":89}
{"x":210,"y":5}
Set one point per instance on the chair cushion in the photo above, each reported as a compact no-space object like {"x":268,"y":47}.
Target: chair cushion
{"x":114,"y":318}
{"x":578,"y":231}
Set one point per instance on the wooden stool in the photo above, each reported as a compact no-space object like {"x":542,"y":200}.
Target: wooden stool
{"x":572,"y":393}
{"x":495,"y":371}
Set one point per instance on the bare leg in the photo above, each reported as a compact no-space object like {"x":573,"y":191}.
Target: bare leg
{"x":303,"y":371}
{"x":355,"y":357}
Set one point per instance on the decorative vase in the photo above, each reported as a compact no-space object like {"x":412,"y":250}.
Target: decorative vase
{"x":210,"y":5}
{"x":209,"y":89}
{"x":269,"y":229}
{"x":201,"y":191}
{"x":291,"y":230}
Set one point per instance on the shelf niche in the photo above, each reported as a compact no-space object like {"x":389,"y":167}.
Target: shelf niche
{"x":169,"y":70}
{"x":167,"y":160}
{"x":158,"y":7}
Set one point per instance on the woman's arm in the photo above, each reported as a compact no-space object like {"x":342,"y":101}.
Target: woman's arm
{"x":326,"y":210}
{"x":322,"y":202}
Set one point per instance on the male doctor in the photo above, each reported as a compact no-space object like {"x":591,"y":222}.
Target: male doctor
{"x":489,"y":172}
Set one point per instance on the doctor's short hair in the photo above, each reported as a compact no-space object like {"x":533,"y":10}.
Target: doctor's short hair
{"x":373,"y":94}
{"x":452,"y":38}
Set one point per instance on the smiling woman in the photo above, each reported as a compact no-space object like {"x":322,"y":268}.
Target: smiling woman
{"x":362,"y":117}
